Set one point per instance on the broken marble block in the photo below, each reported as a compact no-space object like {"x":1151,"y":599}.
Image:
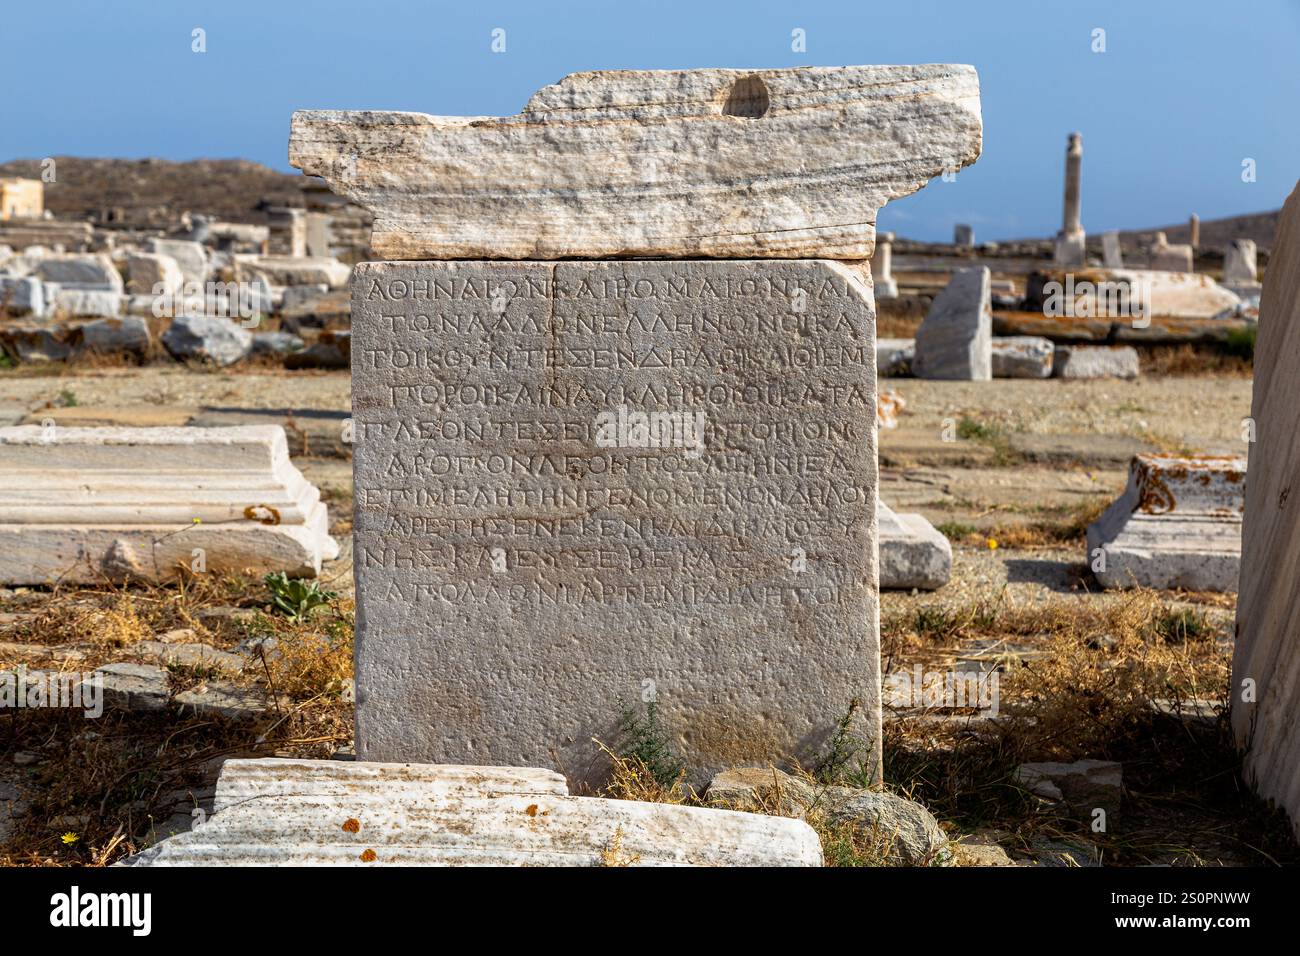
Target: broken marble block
{"x":1022,"y":356}
{"x":81,"y":272}
{"x":913,"y":554}
{"x":1095,"y":361}
{"x":207,"y":338}
{"x":89,"y":505}
{"x":1177,"y":525}
{"x":127,"y":335}
{"x":274,"y":812}
{"x":784,"y":163}
{"x":24,"y":295}
{"x":956,"y":339}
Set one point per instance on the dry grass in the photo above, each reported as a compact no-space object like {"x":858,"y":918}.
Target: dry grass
{"x":106,"y":783}
{"x":1067,"y":528}
{"x":1189,"y":360}
{"x":1090,"y":695}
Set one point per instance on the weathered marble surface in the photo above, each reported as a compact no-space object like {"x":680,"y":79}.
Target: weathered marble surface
{"x":1267,"y":649}
{"x":913,"y":553}
{"x":89,"y":505}
{"x":1177,"y":525}
{"x":525,"y":568}
{"x":1022,"y":356}
{"x":956,"y":339}
{"x":341,"y":813}
{"x":1095,"y":361}
{"x":781,"y":163}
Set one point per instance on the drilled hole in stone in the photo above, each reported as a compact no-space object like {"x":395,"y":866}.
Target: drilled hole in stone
{"x":747,"y":97}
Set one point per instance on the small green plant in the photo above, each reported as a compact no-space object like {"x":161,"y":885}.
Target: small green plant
{"x":67,"y":399}
{"x":956,"y":530}
{"x":970,"y":429}
{"x":1241,"y":342}
{"x":846,"y":759}
{"x":936,"y":623}
{"x":295,"y":597}
{"x":993,"y":436}
{"x":1175,"y":626}
{"x":644,"y":740}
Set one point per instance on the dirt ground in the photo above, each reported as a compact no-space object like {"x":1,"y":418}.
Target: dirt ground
{"x":1139,"y":678}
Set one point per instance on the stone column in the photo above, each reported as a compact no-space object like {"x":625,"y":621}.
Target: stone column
{"x":963,"y":235}
{"x":882,"y":276}
{"x":1194,"y":231}
{"x":615,"y":442}
{"x":1070,"y":242}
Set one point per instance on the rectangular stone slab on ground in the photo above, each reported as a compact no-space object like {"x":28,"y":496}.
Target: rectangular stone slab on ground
{"x":1177,"y":525}
{"x":1267,"y":650}
{"x":340,"y":813}
{"x":784,"y":163}
{"x":90,"y":505}
{"x":532,"y":557}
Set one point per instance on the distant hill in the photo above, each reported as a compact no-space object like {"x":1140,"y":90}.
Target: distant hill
{"x":154,"y":192}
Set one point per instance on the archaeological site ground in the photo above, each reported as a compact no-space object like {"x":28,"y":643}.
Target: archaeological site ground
{"x":591,"y":445}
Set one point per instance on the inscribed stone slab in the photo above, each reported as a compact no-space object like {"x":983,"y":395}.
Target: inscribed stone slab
{"x":531,"y":554}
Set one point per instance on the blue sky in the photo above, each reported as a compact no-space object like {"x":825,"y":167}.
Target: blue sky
{"x":1184,"y":92}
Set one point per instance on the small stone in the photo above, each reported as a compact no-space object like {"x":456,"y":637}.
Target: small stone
{"x":1095,"y":361}
{"x":207,"y":338}
{"x":333,"y":350}
{"x":190,"y":655}
{"x":1084,"y":786}
{"x":25,"y":758}
{"x":912,"y":835}
{"x":275,"y":343}
{"x":129,"y":335}
{"x":133,"y":686}
{"x":1022,"y":356}
{"x":913,"y":553}
{"x":979,"y":850}
{"x":225,"y":699}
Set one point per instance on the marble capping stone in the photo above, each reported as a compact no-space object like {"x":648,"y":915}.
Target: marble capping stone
{"x":956,"y":339}
{"x":533,"y":554}
{"x":1267,"y":647}
{"x":783,"y":163}
{"x":89,"y":505}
